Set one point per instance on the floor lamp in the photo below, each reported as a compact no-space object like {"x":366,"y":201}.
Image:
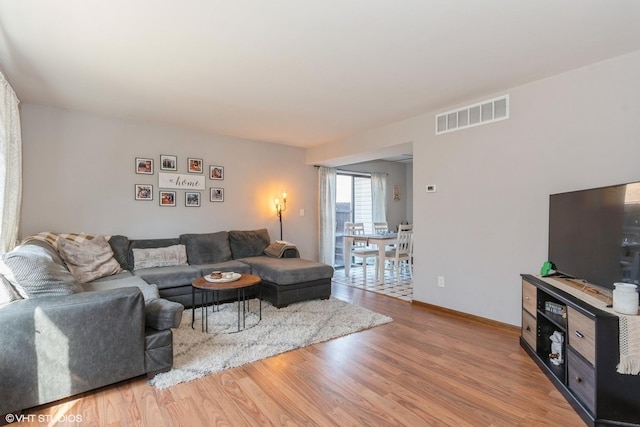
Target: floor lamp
{"x":281,"y":208}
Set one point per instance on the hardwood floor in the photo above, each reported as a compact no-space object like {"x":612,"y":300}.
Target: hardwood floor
{"x":427,"y":368}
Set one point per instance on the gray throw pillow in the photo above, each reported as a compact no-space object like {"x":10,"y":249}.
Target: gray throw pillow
{"x":249,"y":243}
{"x":120,"y":247}
{"x":33,"y":273}
{"x":207,"y":248}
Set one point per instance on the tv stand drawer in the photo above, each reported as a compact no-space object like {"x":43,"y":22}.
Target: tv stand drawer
{"x":582,"y":379}
{"x":529,"y":329}
{"x":529,"y":297}
{"x":582,"y":334}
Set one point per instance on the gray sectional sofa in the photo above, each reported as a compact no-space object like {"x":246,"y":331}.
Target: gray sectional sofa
{"x":285,"y":280}
{"x":69,"y":338}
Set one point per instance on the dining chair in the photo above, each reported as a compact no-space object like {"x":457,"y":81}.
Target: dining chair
{"x":402,"y":254}
{"x":380,"y":227}
{"x":360,"y":249}
{"x":405,"y":227}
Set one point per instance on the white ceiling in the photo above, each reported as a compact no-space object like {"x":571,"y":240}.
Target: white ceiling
{"x":298,"y":72}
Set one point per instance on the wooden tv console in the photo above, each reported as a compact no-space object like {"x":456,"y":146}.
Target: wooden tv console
{"x":588,"y":377}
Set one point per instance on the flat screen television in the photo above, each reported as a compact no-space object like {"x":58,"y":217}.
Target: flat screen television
{"x":594,"y":234}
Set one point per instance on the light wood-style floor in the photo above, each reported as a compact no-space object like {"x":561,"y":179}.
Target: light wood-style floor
{"x":427,"y":368}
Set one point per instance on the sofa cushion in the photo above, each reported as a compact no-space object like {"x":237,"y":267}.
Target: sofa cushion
{"x":124,"y":279}
{"x":35,"y":272}
{"x":159,"y":257}
{"x":88,"y":260}
{"x":169,"y":277}
{"x":248,"y":243}
{"x":287,"y":271}
{"x":208,"y":248}
{"x":148,"y":243}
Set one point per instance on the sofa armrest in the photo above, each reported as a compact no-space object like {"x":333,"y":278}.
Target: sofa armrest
{"x":162,"y":314}
{"x":59,"y":346}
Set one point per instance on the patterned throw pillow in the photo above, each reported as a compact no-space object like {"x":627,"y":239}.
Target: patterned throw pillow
{"x":159,"y":257}
{"x":34,"y":273}
{"x":88,"y":260}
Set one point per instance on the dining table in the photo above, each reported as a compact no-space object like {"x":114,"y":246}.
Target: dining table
{"x":380,"y":240}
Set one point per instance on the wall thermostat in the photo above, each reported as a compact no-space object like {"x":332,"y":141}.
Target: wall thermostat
{"x":431,"y":188}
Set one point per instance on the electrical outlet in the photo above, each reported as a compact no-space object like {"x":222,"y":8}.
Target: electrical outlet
{"x":441,"y":281}
{"x":301,"y":212}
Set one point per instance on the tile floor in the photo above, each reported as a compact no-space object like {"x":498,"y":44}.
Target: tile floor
{"x":402,"y":289}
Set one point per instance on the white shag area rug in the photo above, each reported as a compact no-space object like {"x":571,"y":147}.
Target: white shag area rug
{"x":197,"y":353}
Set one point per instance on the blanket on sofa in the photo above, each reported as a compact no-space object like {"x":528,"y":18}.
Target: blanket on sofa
{"x":282,"y":249}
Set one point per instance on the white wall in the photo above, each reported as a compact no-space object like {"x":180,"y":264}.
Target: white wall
{"x":409,"y":198}
{"x":79,"y":176}
{"x":396,"y":175}
{"x":488,"y":221}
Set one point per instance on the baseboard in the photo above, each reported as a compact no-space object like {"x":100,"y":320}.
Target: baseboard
{"x":490,"y":322}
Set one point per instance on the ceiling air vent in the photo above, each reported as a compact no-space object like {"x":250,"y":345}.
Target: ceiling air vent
{"x":481,"y":113}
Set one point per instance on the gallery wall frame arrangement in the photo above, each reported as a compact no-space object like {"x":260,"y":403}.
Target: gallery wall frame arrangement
{"x":194,"y":165}
{"x":144,"y":166}
{"x":191,"y":199}
{"x":175,"y":181}
{"x":167,"y":198}
{"x":144,"y":192}
{"x":216,"y":172}
{"x":168,"y":162}
{"x":216,"y":194}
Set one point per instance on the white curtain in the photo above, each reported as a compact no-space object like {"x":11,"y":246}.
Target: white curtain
{"x":327,"y":208}
{"x":379,"y":196}
{"x":10,"y":166}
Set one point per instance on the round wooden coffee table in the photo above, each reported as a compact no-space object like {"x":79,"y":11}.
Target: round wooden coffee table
{"x":244,"y":282}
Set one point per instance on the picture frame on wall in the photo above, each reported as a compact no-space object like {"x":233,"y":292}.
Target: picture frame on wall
{"x":168,"y":163}
{"x":216,"y":172}
{"x":396,"y":192}
{"x":216,"y":194}
{"x":191,"y":199}
{"x":167,"y":198}
{"x":144,"y":166}
{"x":194,"y":165}
{"x":144,"y":192}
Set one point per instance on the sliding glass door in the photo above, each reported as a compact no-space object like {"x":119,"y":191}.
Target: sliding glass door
{"x":353,"y":204}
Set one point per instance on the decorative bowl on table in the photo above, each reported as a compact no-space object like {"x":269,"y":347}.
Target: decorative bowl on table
{"x":226,"y":277}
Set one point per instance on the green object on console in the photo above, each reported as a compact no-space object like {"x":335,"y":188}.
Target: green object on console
{"x":546,"y":268}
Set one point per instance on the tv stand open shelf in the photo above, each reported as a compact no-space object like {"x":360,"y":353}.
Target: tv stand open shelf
{"x":587,"y":378}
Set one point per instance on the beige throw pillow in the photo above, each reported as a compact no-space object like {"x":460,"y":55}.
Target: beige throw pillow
{"x":88,"y":260}
{"x":159,"y":257}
